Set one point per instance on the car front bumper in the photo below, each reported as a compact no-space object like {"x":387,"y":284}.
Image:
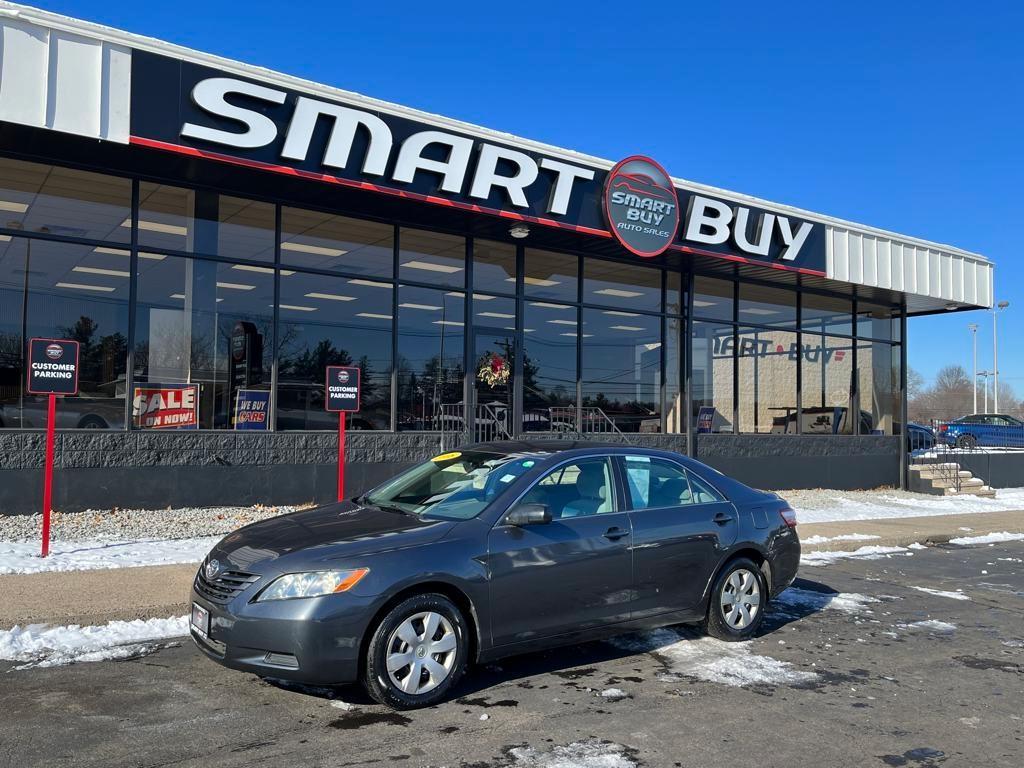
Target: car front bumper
{"x":316,"y":640}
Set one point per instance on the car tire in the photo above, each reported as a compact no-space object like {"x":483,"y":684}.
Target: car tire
{"x":403,"y":635}
{"x":92,"y":422}
{"x":738,"y":601}
{"x":967,"y":442}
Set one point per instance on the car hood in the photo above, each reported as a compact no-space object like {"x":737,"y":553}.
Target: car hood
{"x":321,"y":535}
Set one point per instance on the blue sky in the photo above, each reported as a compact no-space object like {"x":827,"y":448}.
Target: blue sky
{"x":905,"y":116}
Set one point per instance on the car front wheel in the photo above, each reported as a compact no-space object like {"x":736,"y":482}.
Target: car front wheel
{"x":967,"y":442}
{"x":738,"y":601}
{"x":417,"y":653}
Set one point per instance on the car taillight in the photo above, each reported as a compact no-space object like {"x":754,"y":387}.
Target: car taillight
{"x":943,"y":427}
{"x":788,"y":516}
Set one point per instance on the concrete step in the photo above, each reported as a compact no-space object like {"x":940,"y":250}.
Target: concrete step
{"x":982,"y":490}
{"x":934,"y":466}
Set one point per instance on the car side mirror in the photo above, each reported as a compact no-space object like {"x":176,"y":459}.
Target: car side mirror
{"x":528,"y":514}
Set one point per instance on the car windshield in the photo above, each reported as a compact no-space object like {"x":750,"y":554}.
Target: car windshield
{"x":453,"y":486}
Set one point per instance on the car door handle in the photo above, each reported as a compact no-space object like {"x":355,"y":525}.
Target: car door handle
{"x":722,"y":518}
{"x":614,"y":534}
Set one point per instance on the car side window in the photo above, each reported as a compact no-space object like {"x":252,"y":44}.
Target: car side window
{"x":702,"y":492}
{"x":576,"y":489}
{"x":654,"y":483}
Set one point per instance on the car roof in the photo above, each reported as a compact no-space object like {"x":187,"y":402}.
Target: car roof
{"x":540,"y":446}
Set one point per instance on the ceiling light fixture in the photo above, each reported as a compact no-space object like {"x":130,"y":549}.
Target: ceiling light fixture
{"x":264,"y":270}
{"x":101,"y":271}
{"x":330,"y":296}
{"x":7,"y":205}
{"x":373,"y":315}
{"x":519,"y":231}
{"x":429,"y":266}
{"x":84,"y":287}
{"x":410,"y":305}
{"x":619,"y":293}
{"x":368,"y":283}
{"x":295,"y":307}
{"x":235,"y":286}
{"x":316,"y":250}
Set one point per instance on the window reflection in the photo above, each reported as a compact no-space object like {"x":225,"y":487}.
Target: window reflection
{"x":767,"y":379}
{"x":712,"y":377}
{"x":206,"y":324}
{"x":337,"y":243}
{"x":331,"y":321}
{"x":54,"y":290}
{"x":494,"y":266}
{"x":432,"y":257}
{"x":550,"y":275}
{"x":431,"y":337}
{"x":64,"y":201}
{"x":549,"y":360}
{"x":622,"y":368}
{"x":712,"y":298}
{"x":621,"y":285}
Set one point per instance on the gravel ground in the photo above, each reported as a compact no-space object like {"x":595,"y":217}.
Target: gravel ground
{"x":93,"y":524}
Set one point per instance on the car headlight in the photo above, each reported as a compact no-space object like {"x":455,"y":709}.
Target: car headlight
{"x":312,"y":584}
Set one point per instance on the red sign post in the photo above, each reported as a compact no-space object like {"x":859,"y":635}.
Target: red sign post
{"x":342,"y":394}
{"x":52,"y":371}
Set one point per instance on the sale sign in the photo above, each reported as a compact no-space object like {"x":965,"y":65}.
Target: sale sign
{"x":252,"y":409}
{"x":172,"y":406}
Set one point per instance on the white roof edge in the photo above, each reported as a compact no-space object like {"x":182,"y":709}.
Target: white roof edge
{"x":153,"y":45}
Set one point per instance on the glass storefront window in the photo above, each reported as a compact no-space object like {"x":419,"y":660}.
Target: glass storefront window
{"x":197,"y":221}
{"x":767,"y":379}
{"x":431,"y":341}
{"x":331,"y":321}
{"x":878,"y":368}
{"x":549,"y":361}
{"x":712,"y":377}
{"x":675,"y":296}
{"x":548,"y":275}
{"x":493,"y":345}
{"x":826,"y":314}
{"x":675,"y":404}
{"x":204,"y":324}
{"x":712,"y":298}
{"x":432,"y":257}
{"x":877,"y":321}
{"x":64,"y":201}
{"x":336,"y":243}
{"x":494,"y":266}
{"x":828,"y":383}
{"x":767,"y":306}
{"x":621,"y":285}
{"x":622,"y":369}
{"x":55,"y":290}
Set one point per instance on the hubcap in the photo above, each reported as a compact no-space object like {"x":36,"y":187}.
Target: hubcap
{"x":741,"y":599}
{"x":421,"y":652}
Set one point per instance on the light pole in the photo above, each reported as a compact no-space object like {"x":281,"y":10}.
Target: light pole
{"x":973,"y":327}
{"x":985,"y":375}
{"x":1002,"y":305}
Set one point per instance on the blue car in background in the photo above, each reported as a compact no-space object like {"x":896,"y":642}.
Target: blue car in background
{"x":990,"y":430}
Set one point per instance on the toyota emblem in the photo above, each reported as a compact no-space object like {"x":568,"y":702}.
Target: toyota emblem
{"x":212,"y":569}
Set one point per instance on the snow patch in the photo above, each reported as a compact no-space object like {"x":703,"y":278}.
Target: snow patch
{"x":614,"y":694}
{"x":916,"y":545}
{"x":842,"y":537}
{"x":830,"y":506}
{"x":872,"y":552}
{"x":688,"y":653}
{"x":847,"y":602}
{"x":930,"y":625}
{"x":942,"y":593}
{"x":23,"y":556}
{"x":988,"y":538}
{"x":44,"y":646}
{"x":578,"y":754}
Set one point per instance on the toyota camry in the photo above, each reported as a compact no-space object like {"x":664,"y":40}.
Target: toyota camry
{"x":492,"y":550}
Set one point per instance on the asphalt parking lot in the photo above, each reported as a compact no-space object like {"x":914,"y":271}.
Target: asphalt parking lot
{"x":856,"y":667}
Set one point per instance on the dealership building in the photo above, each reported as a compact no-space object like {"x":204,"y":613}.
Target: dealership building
{"x":215,"y":234}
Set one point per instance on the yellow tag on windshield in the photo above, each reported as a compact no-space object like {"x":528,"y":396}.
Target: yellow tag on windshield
{"x":447,"y":456}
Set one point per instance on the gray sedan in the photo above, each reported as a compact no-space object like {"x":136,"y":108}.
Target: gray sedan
{"x":487,"y":551}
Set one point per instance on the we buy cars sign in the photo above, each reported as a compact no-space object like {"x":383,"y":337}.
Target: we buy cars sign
{"x":53,"y":367}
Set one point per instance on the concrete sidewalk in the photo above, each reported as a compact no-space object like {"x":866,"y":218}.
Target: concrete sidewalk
{"x":96,"y":597}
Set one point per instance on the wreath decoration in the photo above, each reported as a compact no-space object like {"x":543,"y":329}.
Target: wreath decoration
{"x":493,"y":370}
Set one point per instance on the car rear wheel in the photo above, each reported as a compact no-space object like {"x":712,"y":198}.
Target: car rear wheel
{"x":417,"y":653}
{"x":967,"y":442}
{"x":738,"y":600}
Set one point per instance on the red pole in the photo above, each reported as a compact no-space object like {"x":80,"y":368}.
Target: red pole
{"x":51,"y":417}
{"x":341,"y":456}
